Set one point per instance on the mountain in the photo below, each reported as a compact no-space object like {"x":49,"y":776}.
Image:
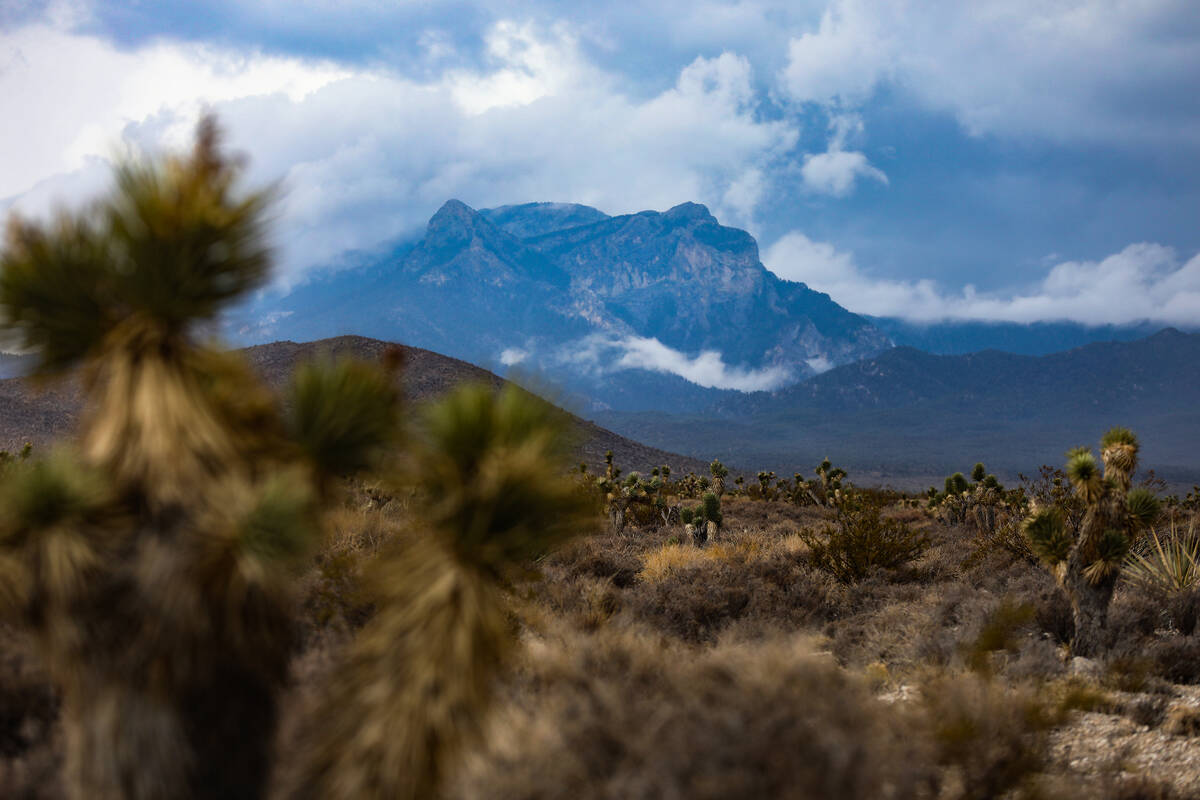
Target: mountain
{"x":41,"y":414}
{"x":634,"y":311}
{"x":957,"y":337}
{"x":909,"y":417}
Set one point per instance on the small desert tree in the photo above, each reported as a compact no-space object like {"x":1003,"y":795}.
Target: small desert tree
{"x":153,"y":563}
{"x":1087,"y":558}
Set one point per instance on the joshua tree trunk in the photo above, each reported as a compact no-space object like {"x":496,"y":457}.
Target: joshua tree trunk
{"x":718,"y":485}
{"x":616,"y":516}
{"x":1089,"y":602}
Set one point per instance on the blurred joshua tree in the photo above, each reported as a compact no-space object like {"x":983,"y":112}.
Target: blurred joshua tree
{"x":153,"y":562}
{"x":1087,"y":557}
{"x":419,"y":675}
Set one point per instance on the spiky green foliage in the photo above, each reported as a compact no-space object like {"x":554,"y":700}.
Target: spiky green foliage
{"x":154,"y":565}
{"x":1111,"y":546}
{"x":417,"y":680}
{"x":1168,"y":565}
{"x":719,"y":472}
{"x":1143,"y":508}
{"x":979,"y":472}
{"x":1048,"y":535}
{"x":342,"y":414}
{"x":712,"y":508}
{"x":1084,"y":474}
{"x":169,"y":247}
{"x":956,"y":484}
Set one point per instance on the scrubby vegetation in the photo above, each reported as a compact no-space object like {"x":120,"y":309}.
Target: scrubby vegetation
{"x":221,"y":592}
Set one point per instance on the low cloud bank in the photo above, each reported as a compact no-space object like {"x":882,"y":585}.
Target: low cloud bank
{"x":1144,"y":281}
{"x":708,"y":369}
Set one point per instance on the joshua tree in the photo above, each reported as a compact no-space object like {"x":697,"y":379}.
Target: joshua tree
{"x":704,"y":521}
{"x":418,"y":677}
{"x":829,"y":491}
{"x":1086,"y":558}
{"x":719,"y":473}
{"x":153,"y":565}
{"x":764,"y":485}
{"x":615,"y":499}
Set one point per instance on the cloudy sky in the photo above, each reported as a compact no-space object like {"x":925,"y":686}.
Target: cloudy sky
{"x":997,"y":159}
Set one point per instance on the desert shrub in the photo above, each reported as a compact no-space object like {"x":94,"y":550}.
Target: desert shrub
{"x":589,"y":557}
{"x":643,"y":515}
{"x":991,"y":738}
{"x":696,"y":600}
{"x":861,"y":541}
{"x":1052,"y":612}
{"x":624,"y":717}
{"x":1000,"y":632}
{"x":1183,"y":720}
{"x":1176,"y":658}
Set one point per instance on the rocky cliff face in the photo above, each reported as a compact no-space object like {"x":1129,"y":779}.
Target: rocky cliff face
{"x":568,"y":291}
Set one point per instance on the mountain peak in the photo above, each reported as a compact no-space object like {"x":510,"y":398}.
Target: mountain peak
{"x":452,"y":212}
{"x":689,"y":212}
{"x":529,"y":220}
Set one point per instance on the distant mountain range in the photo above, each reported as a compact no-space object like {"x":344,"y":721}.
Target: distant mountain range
{"x":907,"y":416}
{"x":41,"y":414}
{"x":958,"y":337}
{"x":620,"y":309}
{"x":638,"y":318}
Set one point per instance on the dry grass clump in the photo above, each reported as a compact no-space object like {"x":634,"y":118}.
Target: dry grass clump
{"x":670,"y":559}
{"x":618,"y":715}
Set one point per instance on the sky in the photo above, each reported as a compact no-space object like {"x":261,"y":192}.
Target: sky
{"x":1017,"y":160}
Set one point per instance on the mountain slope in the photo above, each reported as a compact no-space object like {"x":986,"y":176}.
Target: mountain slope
{"x":41,"y":414}
{"x":958,"y":337}
{"x":908,"y":416}
{"x":586,"y":300}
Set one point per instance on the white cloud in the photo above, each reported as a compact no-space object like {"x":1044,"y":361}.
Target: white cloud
{"x":528,"y":68}
{"x":1106,"y":70}
{"x":513,"y":355}
{"x":66,"y":97}
{"x":708,"y":369}
{"x":839,"y":63}
{"x":367,"y":156}
{"x":819,"y":364}
{"x":1142,"y":282}
{"x":834,"y":172}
